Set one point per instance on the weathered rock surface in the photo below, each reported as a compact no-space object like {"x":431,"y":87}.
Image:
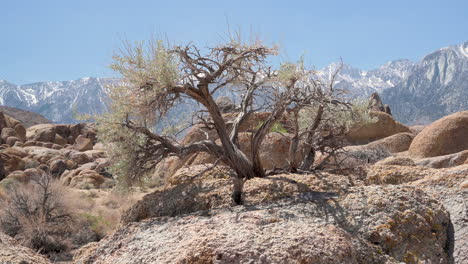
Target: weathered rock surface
{"x":385,"y":126}
{"x":401,"y":161}
{"x":353,"y":156}
{"x":12,"y":252}
{"x":450,"y":187}
{"x":213,"y":191}
{"x":394,"y":143}
{"x":371,"y":224}
{"x":445,"y":136}
{"x":83,"y":144}
{"x":444,"y":161}
{"x":394,"y":174}
{"x":274,"y":151}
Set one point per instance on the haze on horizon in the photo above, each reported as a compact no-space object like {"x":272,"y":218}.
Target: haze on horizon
{"x":63,"y":40}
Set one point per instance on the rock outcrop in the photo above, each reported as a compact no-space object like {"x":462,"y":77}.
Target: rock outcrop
{"x":366,"y":225}
{"x":64,"y":151}
{"x":376,"y":104}
{"x":445,"y":161}
{"x":384,"y":126}
{"x":445,"y":136}
{"x":12,"y":252}
{"x":450,"y":187}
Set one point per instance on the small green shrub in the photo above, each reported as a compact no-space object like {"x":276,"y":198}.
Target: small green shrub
{"x":97,"y":223}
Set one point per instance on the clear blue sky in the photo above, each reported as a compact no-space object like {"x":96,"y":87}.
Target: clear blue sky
{"x":64,"y":39}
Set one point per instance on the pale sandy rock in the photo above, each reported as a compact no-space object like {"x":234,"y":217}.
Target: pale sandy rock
{"x":83,"y":144}
{"x":445,"y":161}
{"x":42,"y":132}
{"x":59,"y":140}
{"x":371,"y":224}
{"x":11,"y":162}
{"x":445,"y":136}
{"x":16,"y":151}
{"x":7,"y":132}
{"x":352,"y":157}
{"x":394,"y":174}
{"x":384,"y":126}
{"x":417,"y":129}
{"x":446,"y":186}
{"x":401,"y":161}
{"x":20,"y":132}
{"x":394,"y":143}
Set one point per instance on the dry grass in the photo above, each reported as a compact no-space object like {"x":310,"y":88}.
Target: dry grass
{"x":102,"y":209}
{"x":56,"y":220}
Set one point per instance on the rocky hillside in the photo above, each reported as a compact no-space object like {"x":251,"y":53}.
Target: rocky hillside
{"x":400,"y":197}
{"x":418,"y":92}
{"x":28,"y":118}
{"x":435,"y":87}
{"x":57,"y":101}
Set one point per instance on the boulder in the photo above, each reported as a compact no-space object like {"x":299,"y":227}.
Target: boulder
{"x":18,"y":176}
{"x":3,"y":172}
{"x":395,"y":174}
{"x":59,"y":140}
{"x":20,"y":132}
{"x":394,"y":143}
{"x":274,"y":151}
{"x":449,"y":187}
{"x":445,"y":161}
{"x":352,"y":157}
{"x":16,"y":152}
{"x":30,"y":163}
{"x":7,"y":132}
{"x":11,"y":141}
{"x":83,"y":179}
{"x":95,"y":154}
{"x":11,"y":162}
{"x":83,"y":144}
{"x":42,"y":154}
{"x":42,"y":132}
{"x":3,"y":121}
{"x":400,"y":161}
{"x":192,"y":173}
{"x":99,"y":146}
{"x":376,"y":104}
{"x":417,"y":129}
{"x":226,"y":105}
{"x":79,"y":157}
{"x":57,"y":167}
{"x":369,"y":224}
{"x":445,"y":136}
{"x":383,"y":127}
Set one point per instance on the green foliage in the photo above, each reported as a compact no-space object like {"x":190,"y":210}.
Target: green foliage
{"x":291,"y":71}
{"x":97,"y":223}
{"x":276,"y":127}
{"x":337,"y":115}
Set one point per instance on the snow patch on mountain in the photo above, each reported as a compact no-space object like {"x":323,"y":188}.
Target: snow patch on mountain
{"x":418,"y":92}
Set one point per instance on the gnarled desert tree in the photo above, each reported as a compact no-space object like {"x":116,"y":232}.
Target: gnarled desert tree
{"x":157,"y":77}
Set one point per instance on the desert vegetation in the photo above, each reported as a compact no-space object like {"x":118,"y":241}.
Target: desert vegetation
{"x":158,"y":76}
{"x":54,"y":220}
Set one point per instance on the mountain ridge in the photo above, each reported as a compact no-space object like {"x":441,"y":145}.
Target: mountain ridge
{"x":418,"y":92}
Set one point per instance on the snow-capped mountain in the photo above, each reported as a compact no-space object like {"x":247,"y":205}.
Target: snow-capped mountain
{"x":58,"y":101}
{"x":435,"y":87}
{"x":417,"y":92}
{"x":363,"y":83}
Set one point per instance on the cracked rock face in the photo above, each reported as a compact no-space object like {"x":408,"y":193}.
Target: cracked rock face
{"x":368,"y":224}
{"x":450,"y":187}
